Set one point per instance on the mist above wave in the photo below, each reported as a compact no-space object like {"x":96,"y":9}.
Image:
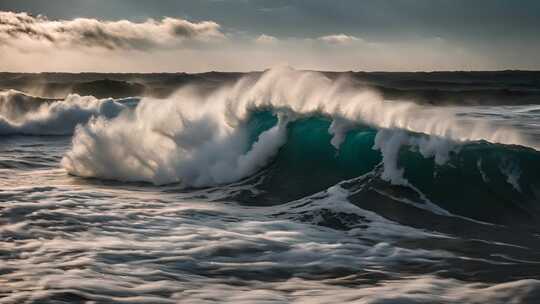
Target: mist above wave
{"x":204,"y":139}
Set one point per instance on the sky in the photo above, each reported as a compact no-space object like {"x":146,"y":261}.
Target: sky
{"x":246,"y":35}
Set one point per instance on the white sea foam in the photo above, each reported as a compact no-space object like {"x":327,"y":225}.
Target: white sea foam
{"x":21,"y":114}
{"x":174,"y":141}
{"x":141,"y":245}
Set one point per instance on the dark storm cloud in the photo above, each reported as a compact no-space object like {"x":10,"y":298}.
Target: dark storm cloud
{"x":21,"y":29}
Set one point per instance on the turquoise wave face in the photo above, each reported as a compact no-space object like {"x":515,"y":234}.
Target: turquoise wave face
{"x":308,"y":163}
{"x":479,"y":179}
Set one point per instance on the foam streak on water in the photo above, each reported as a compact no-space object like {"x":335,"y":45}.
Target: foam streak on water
{"x":67,"y":241}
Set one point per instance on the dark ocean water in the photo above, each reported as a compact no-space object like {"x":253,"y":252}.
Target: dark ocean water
{"x":288,"y":188}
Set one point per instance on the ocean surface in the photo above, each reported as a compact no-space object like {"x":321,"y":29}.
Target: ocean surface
{"x":288,"y":187}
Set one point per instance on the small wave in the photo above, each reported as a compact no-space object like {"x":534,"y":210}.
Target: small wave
{"x":28,"y":115}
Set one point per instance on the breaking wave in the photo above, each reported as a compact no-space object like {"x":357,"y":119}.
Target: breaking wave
{"x":297,"y":133}
{"x":216,"y":138}
{"x":28,"y":115}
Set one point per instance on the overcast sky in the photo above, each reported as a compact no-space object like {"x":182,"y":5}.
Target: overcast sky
{"x":240,"y":35}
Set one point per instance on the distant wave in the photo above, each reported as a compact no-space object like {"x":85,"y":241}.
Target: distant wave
{"x":28,"y":115}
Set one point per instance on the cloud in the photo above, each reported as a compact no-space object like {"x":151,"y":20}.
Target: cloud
{"x":37,"y":43}
{"x":266,"y":39}
{"x":22,"y":30}
{"x":340,"y":39}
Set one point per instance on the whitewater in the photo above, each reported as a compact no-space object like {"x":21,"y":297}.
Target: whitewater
{"x":283,"y":187}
